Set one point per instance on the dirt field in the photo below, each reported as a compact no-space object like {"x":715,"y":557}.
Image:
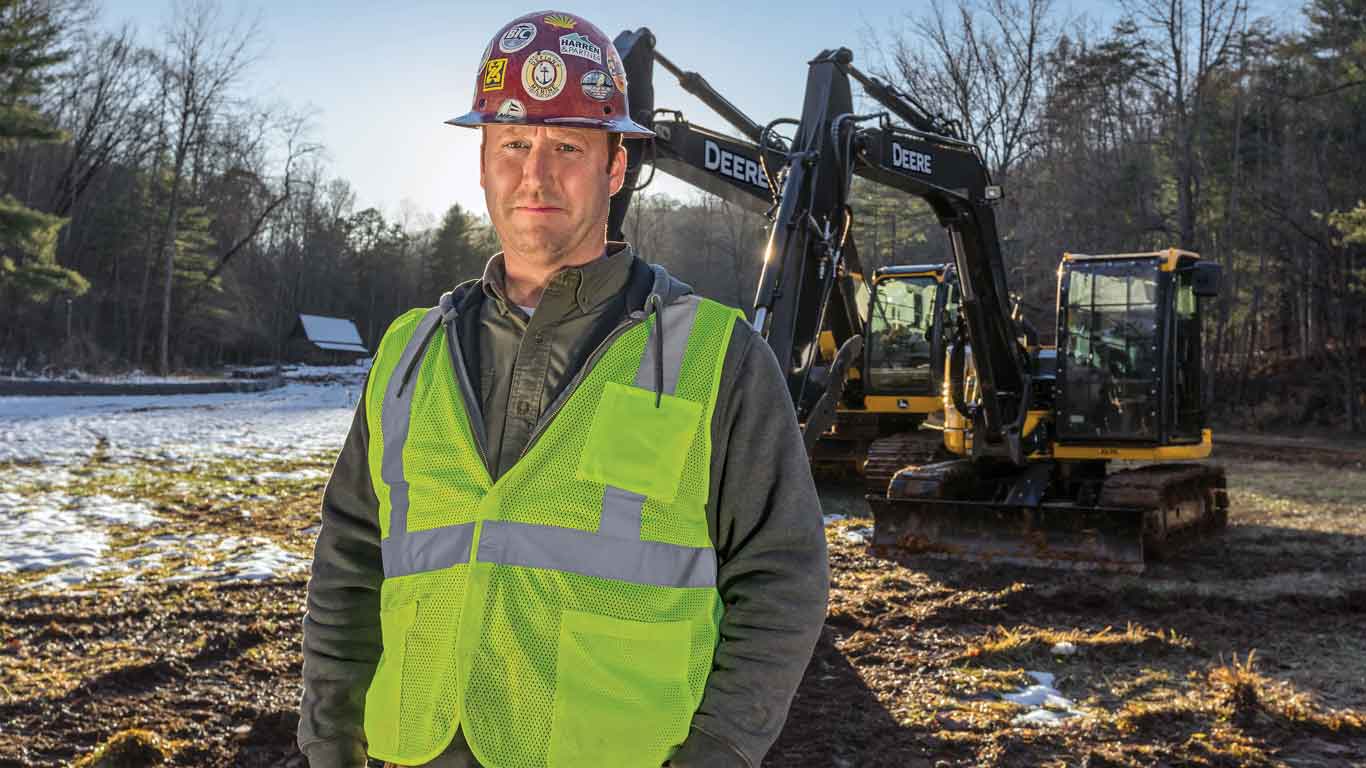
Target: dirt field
{"x":1247,"y":650}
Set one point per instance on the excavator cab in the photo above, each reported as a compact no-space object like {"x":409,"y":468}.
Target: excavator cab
{"x":1129,"y":350}
{"x":909,"y":311}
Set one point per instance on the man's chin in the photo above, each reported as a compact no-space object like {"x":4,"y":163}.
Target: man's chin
{"x":541,"y":244}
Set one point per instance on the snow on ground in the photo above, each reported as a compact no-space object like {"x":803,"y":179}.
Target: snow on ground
{"x":46,"y":441}
{"x":1046,"y":705}
{"x":297,"y":419}
{"x":52,"y":530}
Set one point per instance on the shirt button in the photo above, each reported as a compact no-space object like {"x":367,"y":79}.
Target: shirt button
{"x":540,"y":338}
{"x":523,"y":408}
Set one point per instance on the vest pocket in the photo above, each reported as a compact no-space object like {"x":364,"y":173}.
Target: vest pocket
{"x":636,"y":446}
{"x":621,"y":691}
{"x":382,"y":698}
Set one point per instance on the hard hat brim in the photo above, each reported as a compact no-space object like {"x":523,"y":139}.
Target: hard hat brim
{"x":627,"y":127}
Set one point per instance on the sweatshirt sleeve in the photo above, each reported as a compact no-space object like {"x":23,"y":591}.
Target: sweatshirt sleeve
{"x":342,"y":640}
{"x":773,"y":573}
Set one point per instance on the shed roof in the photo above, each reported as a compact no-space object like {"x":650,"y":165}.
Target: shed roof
{"x":335,"y":333}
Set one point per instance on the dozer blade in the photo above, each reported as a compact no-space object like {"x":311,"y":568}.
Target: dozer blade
{"x":1060,"y":535}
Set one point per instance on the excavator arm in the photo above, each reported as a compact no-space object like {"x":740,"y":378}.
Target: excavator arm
{"x":722,"y":165}
{"x":931,"y":161}
{"x":806,"y":284}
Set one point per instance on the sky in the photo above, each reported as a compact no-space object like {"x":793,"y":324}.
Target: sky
{"x":381,"y":77}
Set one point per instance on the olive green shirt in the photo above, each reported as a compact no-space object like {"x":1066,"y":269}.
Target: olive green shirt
{"x":526,"y":362}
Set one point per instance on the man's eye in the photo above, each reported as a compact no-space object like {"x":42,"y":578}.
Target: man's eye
{"x":516,"y":145}
{"x":569,"y":148}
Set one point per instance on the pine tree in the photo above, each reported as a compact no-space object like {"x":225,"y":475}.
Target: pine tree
{"x":28,"y":238}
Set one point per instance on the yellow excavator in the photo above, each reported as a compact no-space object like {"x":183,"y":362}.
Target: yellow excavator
{"x":1034,"y":432}
{"x":1037,"y":437}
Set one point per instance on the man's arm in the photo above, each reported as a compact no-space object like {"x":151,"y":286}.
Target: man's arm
{"x":342,"y":640}
{"x":773,"y":574}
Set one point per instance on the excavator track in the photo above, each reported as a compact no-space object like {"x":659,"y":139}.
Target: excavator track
{"x":1136,"y":514}
{"x":1182,"y":503}
{"x":891,"y":454}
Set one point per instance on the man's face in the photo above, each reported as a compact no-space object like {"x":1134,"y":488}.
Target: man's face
{"x":547,"y":188}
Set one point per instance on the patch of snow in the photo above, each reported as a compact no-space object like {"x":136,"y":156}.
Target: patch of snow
{"x":1038,"y":696}
{"x":1048,"y":707}
{"x":860,"y":535}
{"x":51,"y":530}
{"x":1044,"y":717}
{"x":238,"y":559}
{"x":833,"y":517}
{"x":1064,"y":648}
{"x":307,"y":473}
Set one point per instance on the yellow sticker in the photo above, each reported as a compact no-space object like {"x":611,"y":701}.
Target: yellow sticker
{"x":561,"y":20}
{"x":493,"y":74}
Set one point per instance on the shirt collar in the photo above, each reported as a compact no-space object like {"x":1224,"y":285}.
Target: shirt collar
{"x":590,"y":285}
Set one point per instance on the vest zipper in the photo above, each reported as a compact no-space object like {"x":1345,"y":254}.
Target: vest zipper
{"x":472,"y":409}
{"x":635,"y":319}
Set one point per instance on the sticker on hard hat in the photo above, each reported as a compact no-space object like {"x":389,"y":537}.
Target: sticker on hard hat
{"x":510,"y":111}
{"x":494,"y":74}
{"x":614,"y":68}
{"x":543,"y":75}
{"x":561,"y":20}
{"x":575,"y":44}
{"x":596,"y":85}
{"x":517,"y":38}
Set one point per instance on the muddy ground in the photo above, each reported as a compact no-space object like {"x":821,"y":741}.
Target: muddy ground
{"x":1249,"y":649}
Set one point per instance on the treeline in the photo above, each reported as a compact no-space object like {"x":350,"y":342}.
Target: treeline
{"x":152,"y":216}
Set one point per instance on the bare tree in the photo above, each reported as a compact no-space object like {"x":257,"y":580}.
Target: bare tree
{"x":980,"y":62}
{"x":104,"y":104}
{"x":1196,"y":39}
{"x":205,"y":59}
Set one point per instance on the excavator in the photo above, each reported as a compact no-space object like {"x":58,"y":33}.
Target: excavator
{"x":861,"y":411}
{"x":1033,"y":431}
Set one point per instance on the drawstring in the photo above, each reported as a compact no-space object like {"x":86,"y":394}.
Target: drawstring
{"x":659,"y":347}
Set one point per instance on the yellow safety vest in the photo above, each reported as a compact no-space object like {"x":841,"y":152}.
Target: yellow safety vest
{"x":565,"y":615}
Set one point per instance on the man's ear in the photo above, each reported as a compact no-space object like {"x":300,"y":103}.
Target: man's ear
{"x":617,"y":171}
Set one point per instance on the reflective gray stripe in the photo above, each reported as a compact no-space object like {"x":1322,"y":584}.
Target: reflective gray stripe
{"x":418,"y":551}
{"x":678,"y":321}
{"x":590,"y":554}
{"x":621,"y":513}
{"x":394,"y":417}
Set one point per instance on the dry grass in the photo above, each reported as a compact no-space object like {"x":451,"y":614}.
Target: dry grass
{"x":1024,"y":645}
{"x":129,"y":749}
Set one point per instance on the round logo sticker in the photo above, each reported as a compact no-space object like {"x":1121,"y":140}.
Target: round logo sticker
{"x":517,"y":38}
{"x":510,"y":111}
{"x":596,"y":85}
{"x":543,"y":75}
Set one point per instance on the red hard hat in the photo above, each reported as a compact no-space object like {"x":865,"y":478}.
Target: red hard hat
{"x":552,"y":68}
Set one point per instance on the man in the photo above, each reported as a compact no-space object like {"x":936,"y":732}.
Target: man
{"x":573,"y":523}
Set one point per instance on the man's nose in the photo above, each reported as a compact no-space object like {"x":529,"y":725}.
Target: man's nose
{"x":537,"y":170}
